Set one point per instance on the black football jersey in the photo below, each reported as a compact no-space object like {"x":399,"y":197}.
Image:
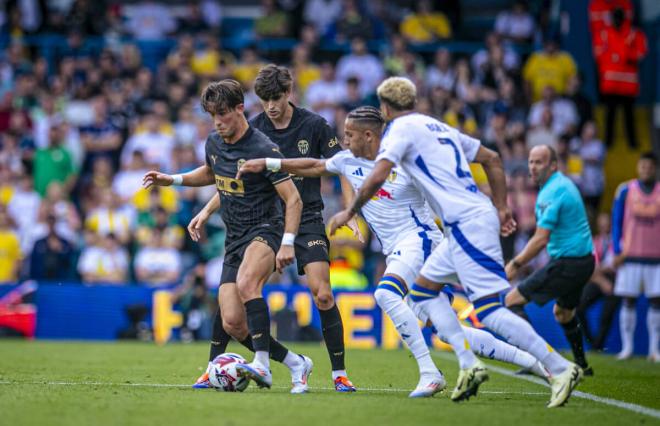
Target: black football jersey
{"x":308,"y":135}
{"x":252,"y":200}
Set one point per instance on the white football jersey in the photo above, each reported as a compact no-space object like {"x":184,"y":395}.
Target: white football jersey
{"x":398,"y":208}
{"x":436,"y":157}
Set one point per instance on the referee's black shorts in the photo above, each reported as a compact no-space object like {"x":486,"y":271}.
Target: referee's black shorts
{"x":562,"y":279}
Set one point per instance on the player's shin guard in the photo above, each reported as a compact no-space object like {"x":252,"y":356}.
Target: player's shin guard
{"x":389,"y":296}
{"x":574,"y":335}
{"x":518,"y":332}
{"x":259,"y":327}
{"x":333,"y":334}
{"x":487,"y":345}
{"x":434,"y":305}
{"x":219,"y":337}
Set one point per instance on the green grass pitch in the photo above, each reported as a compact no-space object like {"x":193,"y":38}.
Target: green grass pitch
{"x":74,"y":383}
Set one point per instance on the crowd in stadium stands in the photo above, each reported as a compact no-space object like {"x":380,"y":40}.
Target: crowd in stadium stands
{"x":81,"y":125}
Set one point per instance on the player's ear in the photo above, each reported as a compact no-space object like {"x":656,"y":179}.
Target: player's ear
{"x":240,"y":108}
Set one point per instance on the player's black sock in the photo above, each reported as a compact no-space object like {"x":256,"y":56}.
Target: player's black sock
{"x":520,"y":311}
{"x":258,"y":323}
{"x":573,"y":332}
{"x":277,"y":350}
{"x":333,"y":334}
{"x":219,"y":339}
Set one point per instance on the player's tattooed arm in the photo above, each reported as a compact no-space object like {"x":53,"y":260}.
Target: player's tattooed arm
{"x":197,"y":223}
{"x":201,"y":176}
{"x":492,"y":164}
{"x":374,"y":181}
{"x":305,"y":167}
{"x":289,"y":193}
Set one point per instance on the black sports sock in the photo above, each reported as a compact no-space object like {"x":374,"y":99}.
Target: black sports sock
{"x":220,"y":338}
{"x":520,"y":311}
{"x":573,"y":332}
{"x":333,"y":334}
{"x":258,"y":323}
{"x":277,"y":350}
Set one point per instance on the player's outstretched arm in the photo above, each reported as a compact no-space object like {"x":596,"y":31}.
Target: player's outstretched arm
{"x":305,"y":167}
{"x":374,"y":181}
{"x":492,"y":164}
{"x":197,"y":223}
{"x":201,"y":176}
{"x":289,"y":193}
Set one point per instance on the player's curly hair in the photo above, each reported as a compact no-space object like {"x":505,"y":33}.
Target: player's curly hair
{"x":367,"y":115}
{"x":221,"y":96}
{"x":397,"y":92}
{"x":272,"y":82}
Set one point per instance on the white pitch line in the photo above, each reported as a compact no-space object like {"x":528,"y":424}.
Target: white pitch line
{"x":168,"y":385}
{"x":640,"y":409}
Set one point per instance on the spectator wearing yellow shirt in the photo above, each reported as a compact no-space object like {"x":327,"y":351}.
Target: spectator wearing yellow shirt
{"x":549,"y":67}
{"x":425,"y":26}
{"x":304,"y":71}
{"x":248,"y":66}
{"x":10,"y":250}
{"x":345,"y":277}
{"x":111,"y":217}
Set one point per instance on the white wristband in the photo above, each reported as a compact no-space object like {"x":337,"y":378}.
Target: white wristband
{"x":274,"y":164}
{"x":177,"y":180}
{"x":288,"y":239}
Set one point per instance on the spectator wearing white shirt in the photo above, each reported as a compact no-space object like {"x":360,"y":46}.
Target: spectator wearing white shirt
{"x":517,"y":24}
{"x":361,"y":64}
{"x":149,"y":20}
{"x":326,"y":94}
{"x":128,"y":180}
{"x":592,"y":151}
{"x":104,"y":263}
{"x":441,"y":72}
{"x":153,"y":142}
{"x":543,"y":134}
{"x":564,"y":113}
{"x":322,"y":13}
{"x":157,"y":264}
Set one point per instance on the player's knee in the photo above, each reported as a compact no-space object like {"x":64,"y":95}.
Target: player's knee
{"x":247,"y":287}
{"x":563,"y":315}
{"x":382,"y":297}
{"x":235,"y":327}
{"x":629,"y":302}
{"x":324,"y":299}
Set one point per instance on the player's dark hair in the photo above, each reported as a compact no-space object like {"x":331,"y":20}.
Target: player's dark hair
{"x":221,"y":96}
{"x":272,"y":82}
{"x":368,"y":116}
{"x":649,"y":155}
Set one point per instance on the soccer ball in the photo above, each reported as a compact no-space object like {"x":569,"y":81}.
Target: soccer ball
{"x":223,"y":375}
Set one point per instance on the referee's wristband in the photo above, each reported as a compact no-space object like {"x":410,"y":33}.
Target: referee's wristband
{"x":274,"y":164}
{"x":288,"y":239}
{"x":177,"y":180}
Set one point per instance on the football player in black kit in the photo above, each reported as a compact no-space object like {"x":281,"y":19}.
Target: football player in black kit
{"x":301,"y":133}
{"x":259,"y":238}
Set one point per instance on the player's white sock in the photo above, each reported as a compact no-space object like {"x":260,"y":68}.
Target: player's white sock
{"x":262,"y":358}
{"x":653,"y":324}
{"x":627,"y":322}
{"x":435,"y":306}
{"x":518,"y":332}
{"x":405,"y":321}
{"x":292,"y":360}
{"x":485,"y":344}
{"x":338,"y":373}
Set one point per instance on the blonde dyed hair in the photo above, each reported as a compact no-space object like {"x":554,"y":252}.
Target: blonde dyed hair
{"x":398,"y":92}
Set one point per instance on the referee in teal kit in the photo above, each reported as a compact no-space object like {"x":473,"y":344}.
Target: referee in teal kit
{"x":562,"y":226}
